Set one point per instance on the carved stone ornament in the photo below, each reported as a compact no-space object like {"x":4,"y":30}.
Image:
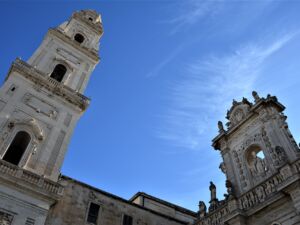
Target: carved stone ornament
{"x":36,"y":129}
{"x":238,"y":112}
{"x":5,"y":218}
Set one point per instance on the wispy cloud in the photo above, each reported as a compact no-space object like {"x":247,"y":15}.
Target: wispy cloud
{"x":157,"y":69}
{"x":207,"y":88}
{"x":191,"y":11}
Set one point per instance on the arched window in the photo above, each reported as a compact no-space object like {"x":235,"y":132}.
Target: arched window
{"x":59,"y":72}
{"x":17,"y":148}
{"x":79,"y":38}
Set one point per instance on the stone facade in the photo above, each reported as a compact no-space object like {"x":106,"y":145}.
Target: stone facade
{"x":261,"y":164}
{"x":40,"y":104}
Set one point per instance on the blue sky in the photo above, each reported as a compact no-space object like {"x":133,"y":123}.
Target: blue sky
{"x":168,"y":72}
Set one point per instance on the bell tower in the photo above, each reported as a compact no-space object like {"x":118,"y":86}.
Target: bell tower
{"x":41,"y":101}
{"x":257,"y":143}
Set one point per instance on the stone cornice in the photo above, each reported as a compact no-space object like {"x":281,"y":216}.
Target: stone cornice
{"x":27,"y":181}
{"x":59,"y":34}
{"x":67,"y":94}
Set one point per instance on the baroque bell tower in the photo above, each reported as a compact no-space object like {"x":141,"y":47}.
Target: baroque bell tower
{"x":40,"y":103}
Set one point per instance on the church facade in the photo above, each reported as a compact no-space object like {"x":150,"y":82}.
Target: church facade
{"x":41,"y":101}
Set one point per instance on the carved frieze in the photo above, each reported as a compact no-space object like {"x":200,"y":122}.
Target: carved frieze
{"x":40,"y":106}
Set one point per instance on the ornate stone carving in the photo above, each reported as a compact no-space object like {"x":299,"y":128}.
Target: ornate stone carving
{"x":5,"y":218}
{"x":40,"y":106}
{"x":238,"y":111}
{"x":36,"y":129}
{"x":239,"y":166}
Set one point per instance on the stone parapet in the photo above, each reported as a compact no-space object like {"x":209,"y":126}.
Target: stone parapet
{"x":28,"y":180}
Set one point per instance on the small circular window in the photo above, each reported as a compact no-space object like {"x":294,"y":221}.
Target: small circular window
{"x":79,"y":38}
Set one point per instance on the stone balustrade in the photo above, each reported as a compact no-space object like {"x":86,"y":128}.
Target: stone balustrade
{"x":29,"y":177}
{"x":46,"y":81}
{"x":253,"y":198}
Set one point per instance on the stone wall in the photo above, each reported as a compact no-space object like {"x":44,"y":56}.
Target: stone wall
{"x":73,"y":208}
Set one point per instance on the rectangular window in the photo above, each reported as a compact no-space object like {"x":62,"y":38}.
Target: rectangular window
{"x":93,"y":213}
{"x":127,"y":220}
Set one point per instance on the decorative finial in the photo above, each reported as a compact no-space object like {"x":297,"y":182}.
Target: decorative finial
{"x":255,"y":96}
{"x":221,"y":127}
{"x":213,"y":191}
{"x":214,"y":202}
{"x":234,"y":102}
{"x":202,"y":209}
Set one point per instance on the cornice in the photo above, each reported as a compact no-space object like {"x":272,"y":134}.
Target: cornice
{"x":38,"y":77}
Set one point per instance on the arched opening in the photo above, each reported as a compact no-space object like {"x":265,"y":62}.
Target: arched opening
{"x":17,"y":148}
{"x":79,"y":38}
{"x":59,"y":72}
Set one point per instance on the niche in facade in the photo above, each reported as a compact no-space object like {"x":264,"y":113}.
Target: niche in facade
{"x":256,"y":160}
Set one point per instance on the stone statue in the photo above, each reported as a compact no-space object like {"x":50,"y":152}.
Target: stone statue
{"x":255,"y":96}
{"x":221,"y":127}
{"x":259,"y":166}
{"x":229,"y":187}
{"x":213,"y":197}
{"x":260,"y":193}
{"x":223,"y":167}
{"x":280,"y":154}
{"x":202,"y":209}
{"x":213,"y":191}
